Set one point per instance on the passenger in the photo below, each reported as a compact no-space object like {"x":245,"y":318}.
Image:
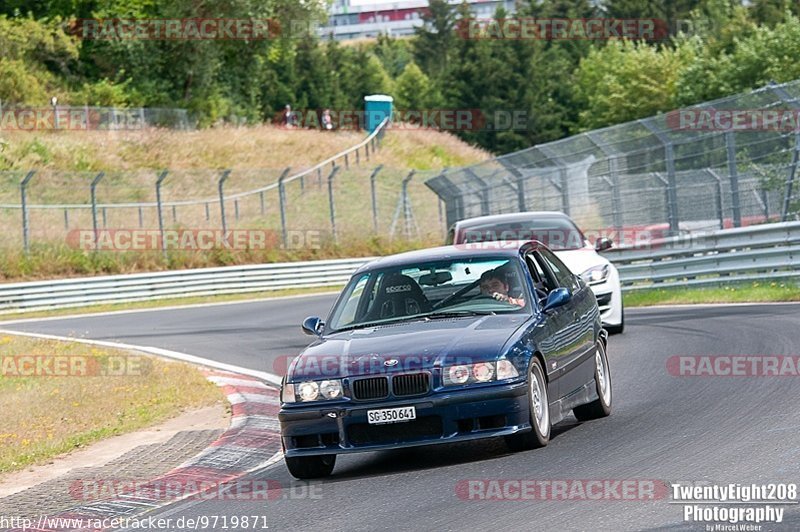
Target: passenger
{"x":493,"y":285}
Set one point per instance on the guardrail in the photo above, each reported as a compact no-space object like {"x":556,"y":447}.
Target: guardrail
{"x":756,"y":252}
{"x":743,"y":254}
{"x":70,"y":293}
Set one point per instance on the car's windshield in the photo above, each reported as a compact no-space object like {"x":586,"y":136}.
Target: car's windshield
{"x":556,"y":232}
{"x":430,"y":290}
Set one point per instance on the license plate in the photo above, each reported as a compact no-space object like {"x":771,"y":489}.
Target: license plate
{"x":391,"y":415}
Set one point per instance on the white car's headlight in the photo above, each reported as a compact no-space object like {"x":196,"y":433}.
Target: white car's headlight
{"x":312,"y":391}
{"x":478,"y":373}
{"x":596,"y":274}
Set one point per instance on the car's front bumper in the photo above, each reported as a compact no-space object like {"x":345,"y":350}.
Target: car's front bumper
{"x":609,"y":299}
{"x":441,"y":417}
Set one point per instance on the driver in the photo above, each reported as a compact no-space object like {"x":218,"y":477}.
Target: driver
{"x":493,"y":285}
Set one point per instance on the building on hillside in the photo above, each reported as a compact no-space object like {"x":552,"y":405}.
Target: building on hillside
{"x":354,"y":19}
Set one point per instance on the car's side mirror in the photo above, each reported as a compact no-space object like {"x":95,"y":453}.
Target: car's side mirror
{"x":557,"y":298}
{"x":313,"y":325}
{"x":603,"y":243}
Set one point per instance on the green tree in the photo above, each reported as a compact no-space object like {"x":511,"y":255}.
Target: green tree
{"x":394,"y":54}
{"x":434,"y":40}
{"x":412,"y":89}
{"x":625,"y":80}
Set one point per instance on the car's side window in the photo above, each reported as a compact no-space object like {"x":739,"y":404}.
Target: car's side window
{"x":541,"y":281}
{"x":564,"y":277}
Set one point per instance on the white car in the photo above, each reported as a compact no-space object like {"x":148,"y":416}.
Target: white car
{"x":558,"y":232}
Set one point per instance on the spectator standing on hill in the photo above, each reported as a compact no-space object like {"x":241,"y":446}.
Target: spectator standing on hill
{"x":287,"y":117}
{"x":327,"y":122}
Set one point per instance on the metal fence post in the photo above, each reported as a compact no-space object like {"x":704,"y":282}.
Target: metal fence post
{"x":208,"y":212}
{"x":670,"y":182}
{"x":664,"y":181}
{"x":787,"y":198}
{"x":484,"y":191}
{"x":564,"y":190}
{"x":282,"y":203}
{"x":374,"y":196}
{"x":93,"y":192}
{"x":23,"y":185}
{"x":331,"y":203}
{"x":174,"y":214}
{"x":718,"y":197}
{"x":66,"y":218}
{"x":791,"y":101}
{"x":672,"y":190}
{"x":733,"y":172}
{"x":616,"y":198}
{"x":159,"y":181}
{"x":519,"y":184}
{"x":407,"y":214}
{"x":141,"y":218}
{"x":221,"y":187}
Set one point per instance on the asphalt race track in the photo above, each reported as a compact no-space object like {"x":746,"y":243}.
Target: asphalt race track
{"x":664,"y":428}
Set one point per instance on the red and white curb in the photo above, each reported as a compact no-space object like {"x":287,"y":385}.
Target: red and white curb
{"x":251,"y":442}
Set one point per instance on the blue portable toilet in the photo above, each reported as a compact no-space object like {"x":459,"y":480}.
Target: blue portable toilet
{"x":376,"y":108}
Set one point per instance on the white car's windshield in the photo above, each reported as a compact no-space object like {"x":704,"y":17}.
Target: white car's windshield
{"x":557,"y":233}
{"x":429,"y":290}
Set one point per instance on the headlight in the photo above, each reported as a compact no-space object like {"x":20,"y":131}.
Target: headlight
{"x":596,"y":274}
{"x":506,"y":370}
{"x":330,"y":389}
{"x":312,"y":391}
{"x":483,"y":372}
{"x":457,"y":374}
{"x":479,"y":373}
{"x":308,"y":391}
{"x":287,"y":393}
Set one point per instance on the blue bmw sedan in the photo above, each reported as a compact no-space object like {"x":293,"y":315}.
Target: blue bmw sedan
{"x":444,"y":345}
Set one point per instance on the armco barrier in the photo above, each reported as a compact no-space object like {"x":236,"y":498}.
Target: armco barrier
{"x":749,"y":253}
{"x":67,"y":293}
{"x":755,"y":252}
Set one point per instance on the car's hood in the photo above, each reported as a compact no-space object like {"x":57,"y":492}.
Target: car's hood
{"x":580,"y":260}
{"x":415,"y":346}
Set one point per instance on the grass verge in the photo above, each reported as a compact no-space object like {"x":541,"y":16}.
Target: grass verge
{"x":115,"y":392}
{"x":753,"y":292}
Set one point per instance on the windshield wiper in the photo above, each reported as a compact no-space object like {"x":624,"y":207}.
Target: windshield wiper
{"x":458,"y":313}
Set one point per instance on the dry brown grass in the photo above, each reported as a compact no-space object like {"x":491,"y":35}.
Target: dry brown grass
{"x":256,"y":154}
{"x":44,"y":416}
{"x":226,"y":147}
{"x":262,"y":147}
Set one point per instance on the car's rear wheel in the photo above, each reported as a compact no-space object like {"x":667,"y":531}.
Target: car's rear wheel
{"x":307,"y":467}
{"x":539,"y":406}
{"x":600,"y":407}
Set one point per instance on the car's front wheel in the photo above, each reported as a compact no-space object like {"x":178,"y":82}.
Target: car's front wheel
{"x":308,"y":467}
{"x":539,"y":406}
{"x":600,"y":407}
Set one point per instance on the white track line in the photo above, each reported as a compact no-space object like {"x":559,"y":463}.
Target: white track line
{"x":157,"y":351}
